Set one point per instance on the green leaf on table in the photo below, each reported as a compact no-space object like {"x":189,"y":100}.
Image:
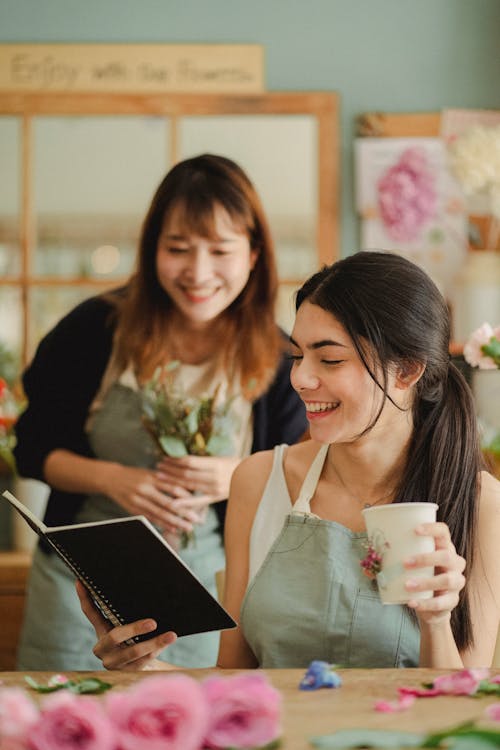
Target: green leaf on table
{"x":86,"y":685}
{"x":270,"y":746}
{"x":466,"y":733}
{"x":488,"y":688}
{"x":471,"y":743}
{"x":367,"y":738}
{"x":34,"y":685}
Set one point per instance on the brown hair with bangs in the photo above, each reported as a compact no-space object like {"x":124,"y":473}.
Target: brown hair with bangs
{"x":248,"y":337}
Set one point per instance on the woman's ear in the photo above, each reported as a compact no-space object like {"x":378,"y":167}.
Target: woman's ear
{"x":408,"y":373}
{"x":254,"y":254}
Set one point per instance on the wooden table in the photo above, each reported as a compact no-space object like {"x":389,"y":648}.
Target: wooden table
{"x":323,"y":711}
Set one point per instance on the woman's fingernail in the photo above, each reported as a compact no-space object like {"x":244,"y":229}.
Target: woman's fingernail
{"x":411,"y":583}
{"x":410,"y":561}
{"x":148,"y":626}
{"x":168,"y":638}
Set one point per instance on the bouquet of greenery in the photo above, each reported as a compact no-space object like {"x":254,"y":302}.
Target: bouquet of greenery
{"x":182,"y":425}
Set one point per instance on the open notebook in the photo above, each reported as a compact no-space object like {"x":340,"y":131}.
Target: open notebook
{"x":132,"y":573}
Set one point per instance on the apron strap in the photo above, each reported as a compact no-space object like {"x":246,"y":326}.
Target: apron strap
{"x":303,"y":502}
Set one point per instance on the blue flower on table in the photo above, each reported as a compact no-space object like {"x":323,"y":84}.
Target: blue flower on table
{"x":320,"y":674}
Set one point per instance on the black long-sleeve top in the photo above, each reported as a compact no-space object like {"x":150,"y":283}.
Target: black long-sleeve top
{"x":64,"y":377}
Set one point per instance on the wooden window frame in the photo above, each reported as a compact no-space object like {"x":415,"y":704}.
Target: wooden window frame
{"x":323,"y":106}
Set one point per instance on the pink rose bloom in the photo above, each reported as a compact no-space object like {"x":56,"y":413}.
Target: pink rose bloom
{"x":72,"y":722}
{"x":160,"y":713}
{"x":465,"y":682}
{"x":419,"y":692}
{"x":245,"y":711}
{"x":57,"y":679}
{"x":472,"y":349}
{"x":9,"y":743}
{"x":17,"y":714}
{"x":407,"y":196}
{"x":401,"y":704}
{"x":493,"y":712}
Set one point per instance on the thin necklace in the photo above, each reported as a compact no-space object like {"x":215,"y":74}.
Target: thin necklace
{"x":363,"y":503}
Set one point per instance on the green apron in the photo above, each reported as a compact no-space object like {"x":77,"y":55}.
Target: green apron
{"x":310,"y":600}
{"x":55,"y":634}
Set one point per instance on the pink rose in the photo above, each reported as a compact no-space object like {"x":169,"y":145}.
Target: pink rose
{"x":401,"y":704}
{"x":244,"y":711}
{"x":419,"y":692}
{"x":17,"y":714}
{"x":493,"y":711}
{"x":465,"y":682}
{"x":472,"y":349}
{"x":407,"y":196}
{"x":9,"y":743}
{"x":72,"y":722}
{"x":160,"y":713}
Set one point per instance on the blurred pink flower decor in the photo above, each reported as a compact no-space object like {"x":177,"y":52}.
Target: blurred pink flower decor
{"x":245,"y":712}
{"x":465,"y":682}
{"x":174,"y":712}
{"x":407,"y":196}
{"x":471,"y":682}
{"x":493,"y":711}
{"x":482,"y":348}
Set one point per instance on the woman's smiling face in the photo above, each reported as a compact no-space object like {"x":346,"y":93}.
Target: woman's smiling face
{"x":339,"y":394}
{"x":203,"y":275}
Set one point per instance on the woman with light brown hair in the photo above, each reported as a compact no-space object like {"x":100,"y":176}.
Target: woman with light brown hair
{"x":202,"y":294}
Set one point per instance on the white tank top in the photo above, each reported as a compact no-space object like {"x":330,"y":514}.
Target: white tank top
{"x":276,"y":503}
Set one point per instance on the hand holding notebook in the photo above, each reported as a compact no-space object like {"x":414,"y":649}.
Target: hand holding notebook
{"x":132,"y":573}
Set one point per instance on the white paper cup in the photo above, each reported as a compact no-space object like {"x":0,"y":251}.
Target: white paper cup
{"x":391,"y":531}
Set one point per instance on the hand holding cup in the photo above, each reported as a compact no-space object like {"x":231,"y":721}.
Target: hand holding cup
{"x":391,"y":534}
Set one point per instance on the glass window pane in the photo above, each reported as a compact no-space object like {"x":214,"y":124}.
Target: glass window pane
{"x":279,"y":153}
{"x":11,"y":324}
{"x":10,"y":195}
{"x":94,"y":178}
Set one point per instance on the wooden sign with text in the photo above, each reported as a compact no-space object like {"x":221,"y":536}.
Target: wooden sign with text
{"x":132,"y":68}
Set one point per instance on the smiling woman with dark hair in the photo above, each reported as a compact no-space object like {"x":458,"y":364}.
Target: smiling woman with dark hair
{"x":391,"y":420}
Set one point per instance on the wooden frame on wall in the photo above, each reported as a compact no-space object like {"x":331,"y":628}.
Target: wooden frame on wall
{"x":323,"y":106}
{"x":399,"y":125}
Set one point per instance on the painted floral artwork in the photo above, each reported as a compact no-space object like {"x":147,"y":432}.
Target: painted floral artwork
{"x":410,"y":203}
{"x":407,"y":196}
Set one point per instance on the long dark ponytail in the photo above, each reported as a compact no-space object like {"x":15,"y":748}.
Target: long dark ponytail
{"x":387,"y":301}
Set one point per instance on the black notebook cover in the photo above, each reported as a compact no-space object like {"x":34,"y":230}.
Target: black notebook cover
{"x":132,"y":574}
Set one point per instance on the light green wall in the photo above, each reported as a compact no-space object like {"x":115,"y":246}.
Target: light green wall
{"x":392,"y":55}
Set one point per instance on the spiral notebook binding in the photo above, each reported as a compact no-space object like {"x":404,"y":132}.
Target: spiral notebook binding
{"x":104,"y":605}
